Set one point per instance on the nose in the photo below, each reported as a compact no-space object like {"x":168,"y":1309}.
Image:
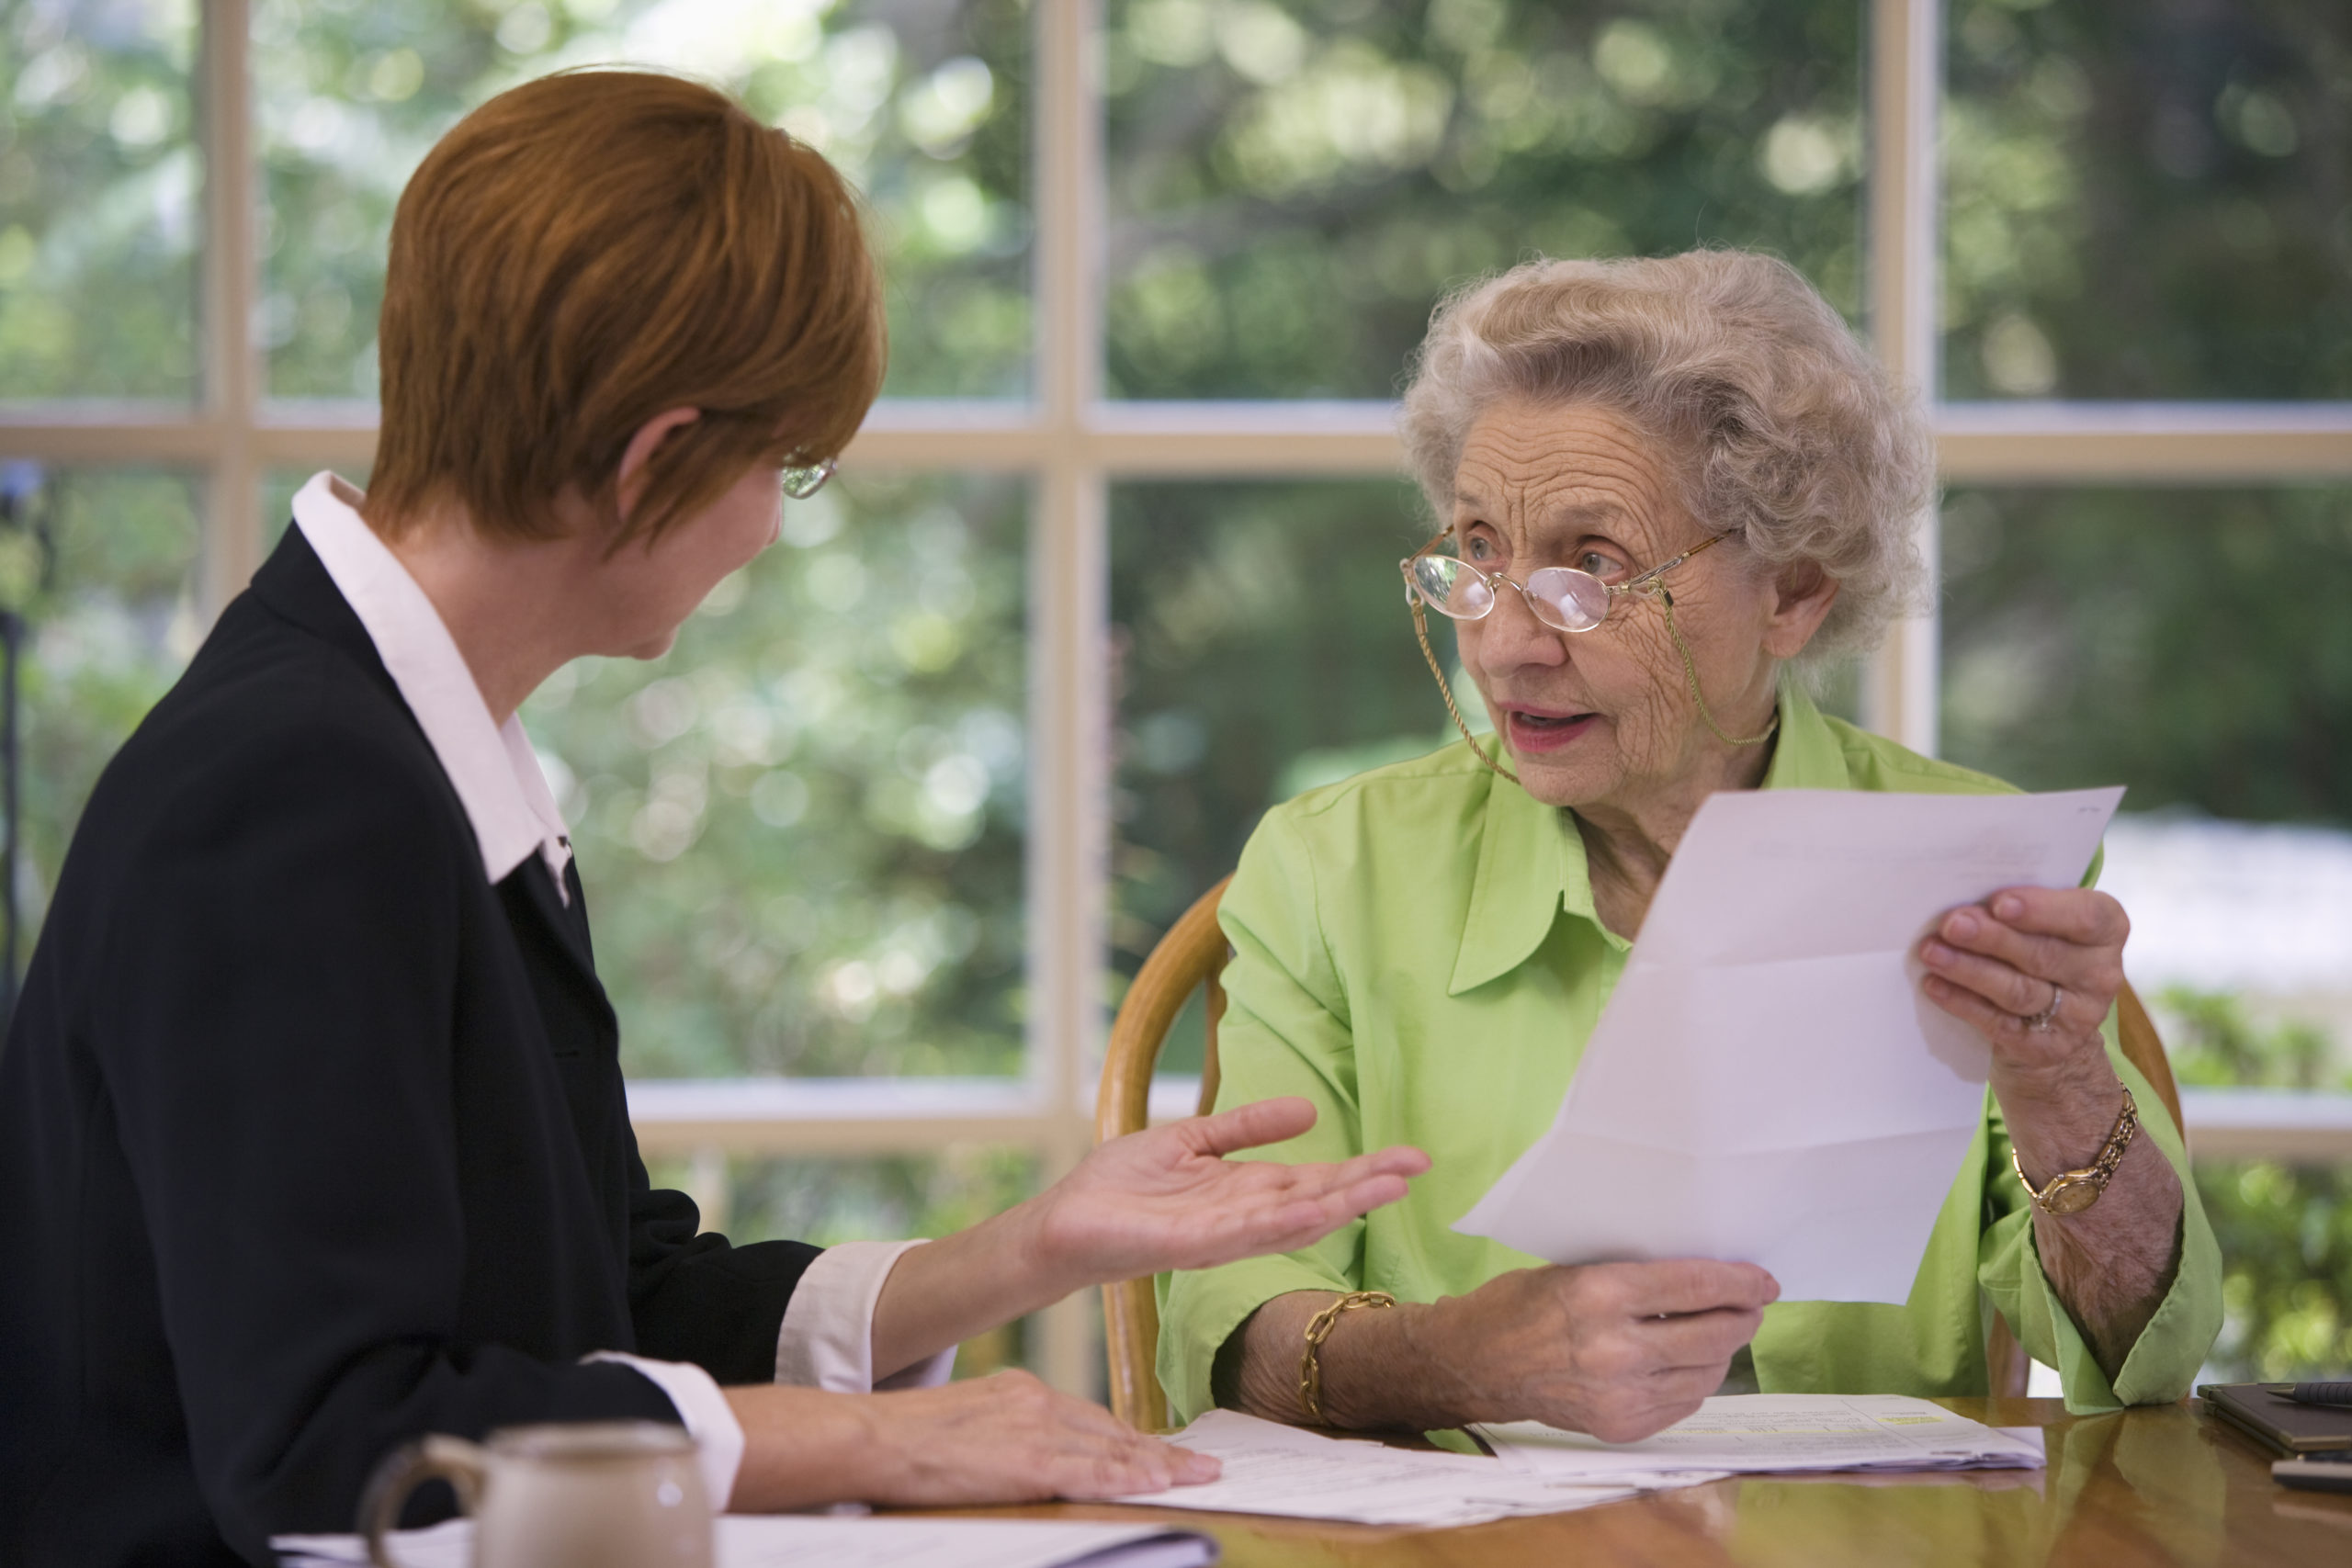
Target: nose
{"x":1511,"y":637}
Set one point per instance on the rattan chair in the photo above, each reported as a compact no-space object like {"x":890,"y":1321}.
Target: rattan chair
{"x":1191,"y":956}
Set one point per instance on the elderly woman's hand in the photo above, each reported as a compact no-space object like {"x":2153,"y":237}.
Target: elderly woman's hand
{"x":2035,"y":969}
{"x":1620,"y":1350}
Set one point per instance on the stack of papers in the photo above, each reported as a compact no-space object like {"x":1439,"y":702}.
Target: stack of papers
{"x":799,"y":1541}
{"x":1273,"y":1469}
{"x":1755,"y":1432}
{"x":1767,"y":1084}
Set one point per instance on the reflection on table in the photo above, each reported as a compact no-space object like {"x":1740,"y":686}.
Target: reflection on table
{"x":2161,"y":1486}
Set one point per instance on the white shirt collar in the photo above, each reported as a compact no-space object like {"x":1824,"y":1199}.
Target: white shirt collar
{"x":492,"y":766}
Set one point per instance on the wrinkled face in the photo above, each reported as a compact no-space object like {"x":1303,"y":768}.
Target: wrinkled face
{"x":1602,"y":717}
{"x":657,"y":587}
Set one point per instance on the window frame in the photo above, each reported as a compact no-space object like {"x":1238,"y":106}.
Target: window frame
{"x":1073,"y":443}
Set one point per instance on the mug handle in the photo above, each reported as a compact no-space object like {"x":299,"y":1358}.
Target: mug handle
{"x":462,"y":1464}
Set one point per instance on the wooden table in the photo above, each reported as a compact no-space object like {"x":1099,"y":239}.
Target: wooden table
{"x":2167,"y":1485}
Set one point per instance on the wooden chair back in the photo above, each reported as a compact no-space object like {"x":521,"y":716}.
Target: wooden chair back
{"x":1191,"y":956}
{"x":2136,"y":1032}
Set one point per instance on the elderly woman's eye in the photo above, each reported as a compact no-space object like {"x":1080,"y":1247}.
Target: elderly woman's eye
{"x":1600,"y":565}
{"x":1480,"y":549}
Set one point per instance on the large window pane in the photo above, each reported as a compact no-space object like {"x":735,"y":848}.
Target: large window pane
{"x":2190,"y":644}
{"x":919,"y":102}
{"x":1263,"y":649}
{"x":2148,"y":198}
{"x":1294,"y":183}
{"x":101,"y":198}
{"x":101,"y":566}
{"x":801,"y":831}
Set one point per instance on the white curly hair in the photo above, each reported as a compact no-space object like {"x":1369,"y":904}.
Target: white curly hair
{"x":1782,"y":429}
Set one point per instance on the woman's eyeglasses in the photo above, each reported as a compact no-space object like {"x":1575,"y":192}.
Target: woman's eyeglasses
{"x":1562,"y":598}
{"x":801,"y":483}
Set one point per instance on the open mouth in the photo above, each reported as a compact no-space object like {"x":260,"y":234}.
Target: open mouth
{"x":1532,"y":730}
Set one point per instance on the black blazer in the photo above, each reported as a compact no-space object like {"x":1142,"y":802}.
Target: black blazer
{"x":311,"y":1139}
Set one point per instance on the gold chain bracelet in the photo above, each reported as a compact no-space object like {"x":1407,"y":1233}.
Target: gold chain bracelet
{"x":1318,"y":1329}
{"x":2072,"y":1192}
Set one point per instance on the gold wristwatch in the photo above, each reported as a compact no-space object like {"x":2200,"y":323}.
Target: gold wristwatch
{"x":2072,"y":1192}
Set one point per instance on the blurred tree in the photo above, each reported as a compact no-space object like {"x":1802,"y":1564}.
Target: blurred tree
{"x":2184,"y":642}
{"x":923,"y":103}
{"x":801,"y":832}
{"x":100,"y":185}
{"x":2148,"y":198}
{"x":1294,"y":183}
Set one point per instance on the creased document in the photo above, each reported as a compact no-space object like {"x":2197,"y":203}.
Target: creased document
{"x":1274,"y":1469}
{"x":1767,"y":1083}
{"x":1778,"y":1432}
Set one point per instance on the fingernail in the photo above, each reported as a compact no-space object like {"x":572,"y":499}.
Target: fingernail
{"x":1961,"y":926}
{"x":1936,"y":952}
{"x":2008,"y":905}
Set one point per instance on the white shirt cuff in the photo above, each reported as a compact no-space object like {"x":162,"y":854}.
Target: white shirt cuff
{"x":827,"y":1339}
{"x":710,"y":1420}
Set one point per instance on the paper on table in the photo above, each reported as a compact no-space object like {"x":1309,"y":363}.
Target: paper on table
{"x":794,"y":1540}
{"x":1273,"y":1469}
{"x":1767,"y":1084}
{"x":1752,"y":1432}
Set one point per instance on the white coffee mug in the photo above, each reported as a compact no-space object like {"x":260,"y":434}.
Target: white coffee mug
{"x":588,"y":1495}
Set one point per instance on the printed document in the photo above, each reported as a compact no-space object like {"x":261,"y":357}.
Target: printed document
{"x":1751,"y":1432}
{"x":1273,"y":1469}
{"x":1767,"y":1083}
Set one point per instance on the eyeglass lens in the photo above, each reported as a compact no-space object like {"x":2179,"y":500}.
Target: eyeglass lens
{"x":1570,"y":601}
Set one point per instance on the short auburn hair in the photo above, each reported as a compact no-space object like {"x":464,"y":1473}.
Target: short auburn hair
{"x":588,"y":250}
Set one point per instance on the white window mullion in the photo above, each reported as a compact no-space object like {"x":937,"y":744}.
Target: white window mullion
{"x":1068,"y":631}
{"x":1906,"y":88}
{"x":230,"y":369}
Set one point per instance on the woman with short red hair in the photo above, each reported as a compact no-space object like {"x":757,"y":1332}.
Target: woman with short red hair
{"x":312,"y":1135}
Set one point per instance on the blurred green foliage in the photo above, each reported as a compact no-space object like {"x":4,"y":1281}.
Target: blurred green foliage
{"x":2148,"y":198}
{"x":108,"y":636}
{"x":831,"y":1200}
{"x":2187,"y":642}
{"x":801,"y":832}
{"x":2286,"y":1231}
{"x":101,"y":189}
{"x":921,"y":103}
{"x":1294,"y":183}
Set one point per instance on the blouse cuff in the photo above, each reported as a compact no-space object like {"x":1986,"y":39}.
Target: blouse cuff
{"x":826,"y":1338}
{"x":709,"y":1419}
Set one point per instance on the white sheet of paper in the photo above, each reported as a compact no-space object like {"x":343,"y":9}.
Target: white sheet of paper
{"x":1273,"y":1469}
{"x":1767,"y":1083}
{"x":800,"y":1540}
{"x":1758,"y":1432}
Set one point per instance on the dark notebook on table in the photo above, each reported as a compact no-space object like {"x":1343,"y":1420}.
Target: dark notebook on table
{"x":2262,"y":1410}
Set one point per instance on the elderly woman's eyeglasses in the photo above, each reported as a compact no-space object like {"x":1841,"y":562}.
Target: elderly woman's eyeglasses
{"x":801,"y":483}
{"x":1562,"y":598}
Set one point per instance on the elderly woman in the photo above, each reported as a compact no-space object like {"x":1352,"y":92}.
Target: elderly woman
{"x":1665,"y":484}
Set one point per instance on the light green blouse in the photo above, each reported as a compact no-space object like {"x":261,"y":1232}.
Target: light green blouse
{"x":1416,"y":951}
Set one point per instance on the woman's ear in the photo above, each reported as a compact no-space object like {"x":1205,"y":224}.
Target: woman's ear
{"x":630,"y":483}
{"x":1802,"y":595}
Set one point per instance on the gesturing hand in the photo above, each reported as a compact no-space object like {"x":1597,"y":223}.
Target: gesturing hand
{"x":1167,"y":1199}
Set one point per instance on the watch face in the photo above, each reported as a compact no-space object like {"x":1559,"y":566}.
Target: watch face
{"x":2070,"y":1195}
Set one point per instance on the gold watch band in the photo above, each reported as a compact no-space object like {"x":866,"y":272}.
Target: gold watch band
{"x":2072,"y":1192}
{"x":1318,"y":1329}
